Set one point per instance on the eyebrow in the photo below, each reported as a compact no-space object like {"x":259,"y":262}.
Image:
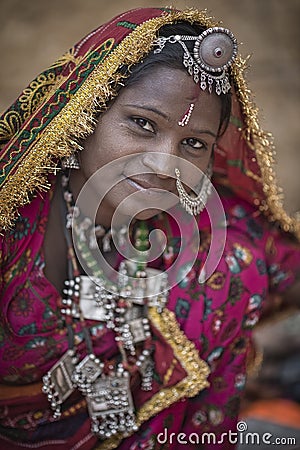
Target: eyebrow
{"x":165,"y":116}
{"x":150,"y":108}
{"x":196,"y":131}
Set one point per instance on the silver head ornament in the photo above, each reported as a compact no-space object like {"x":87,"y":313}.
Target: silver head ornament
{"x":214,"y":51}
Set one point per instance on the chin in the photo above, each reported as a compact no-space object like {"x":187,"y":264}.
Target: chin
{"x":147,"y":214}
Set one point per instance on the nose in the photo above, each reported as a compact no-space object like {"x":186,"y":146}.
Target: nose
{"x":161,"y":163}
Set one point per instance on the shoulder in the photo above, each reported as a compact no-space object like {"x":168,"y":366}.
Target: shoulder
{"x":29,"y":228}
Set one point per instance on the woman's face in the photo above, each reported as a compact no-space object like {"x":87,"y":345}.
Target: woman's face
{"x":142,"y":124}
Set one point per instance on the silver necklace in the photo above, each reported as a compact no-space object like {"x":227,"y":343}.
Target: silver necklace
{"x":124,"y":309}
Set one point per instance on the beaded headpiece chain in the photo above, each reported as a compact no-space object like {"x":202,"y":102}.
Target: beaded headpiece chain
{"x":214,"y":51}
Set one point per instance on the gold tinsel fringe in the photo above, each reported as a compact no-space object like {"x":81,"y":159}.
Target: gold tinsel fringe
{"x":262,"y":143}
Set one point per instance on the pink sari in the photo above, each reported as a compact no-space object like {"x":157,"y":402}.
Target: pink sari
{"x":217,"y":317}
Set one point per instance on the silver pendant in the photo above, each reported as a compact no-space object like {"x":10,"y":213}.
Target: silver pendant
{"x":57,"y":383}
{"x":96,"y":303}
{"x":139,"y":329}
{"x":110,"y":405}
{"x":153,"y":287}
{"x":145,"y":366}
{"x":90,"y":290}
{"x":132,"y":325}
{"x":86,"y":372}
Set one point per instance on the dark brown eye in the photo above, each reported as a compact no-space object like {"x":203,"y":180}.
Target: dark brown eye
{"x":195,"y":143}
{"x":143,"y":123}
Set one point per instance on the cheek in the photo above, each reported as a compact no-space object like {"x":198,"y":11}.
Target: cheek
{"x":97,"y":152}
{"x":191,"y":170}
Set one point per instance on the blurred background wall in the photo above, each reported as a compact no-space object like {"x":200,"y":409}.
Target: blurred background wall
{"x":34,"y":33}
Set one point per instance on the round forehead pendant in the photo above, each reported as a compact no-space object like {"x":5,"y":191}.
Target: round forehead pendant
{"x":215,"y":49}
{"x":213,"y":53}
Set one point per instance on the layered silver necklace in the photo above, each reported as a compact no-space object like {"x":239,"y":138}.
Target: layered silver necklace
{"x":123,"y":308}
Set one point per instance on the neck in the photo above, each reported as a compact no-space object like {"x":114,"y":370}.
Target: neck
{"x":89,"y":201}
{"x":104,"y":213}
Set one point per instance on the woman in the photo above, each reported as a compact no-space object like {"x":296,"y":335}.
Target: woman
{"x":133,"y":345}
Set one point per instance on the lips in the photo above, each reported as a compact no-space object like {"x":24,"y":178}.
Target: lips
{"x":143,"y":184}
{"x":160,"y":197}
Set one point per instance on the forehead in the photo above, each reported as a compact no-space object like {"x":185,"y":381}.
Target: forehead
{"x":168,"y":89}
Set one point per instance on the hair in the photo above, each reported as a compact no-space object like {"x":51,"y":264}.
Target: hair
{"x":172,"y":57}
